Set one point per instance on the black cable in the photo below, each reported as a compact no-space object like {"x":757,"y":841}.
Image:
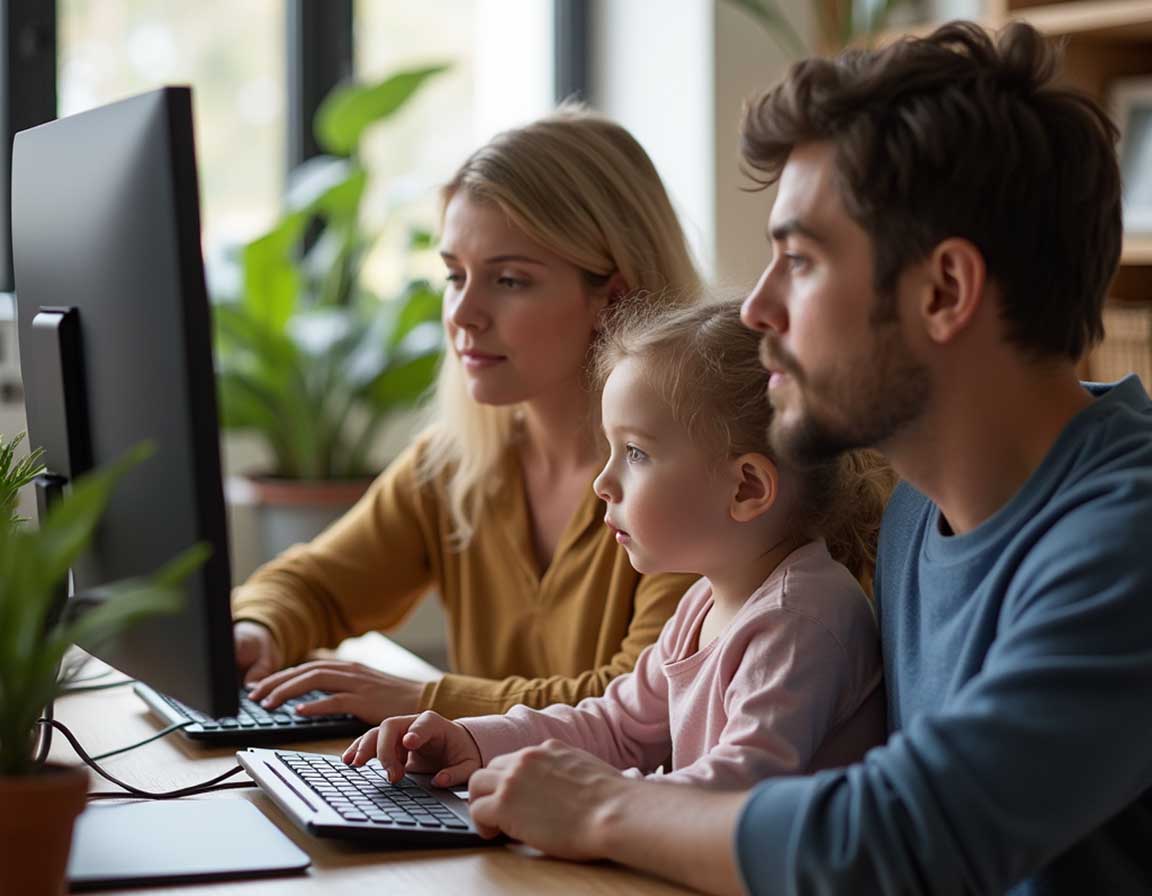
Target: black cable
{"x":44,"y":736}
{"x":163,"y":732}
{"x":118,"y":795}
{"x":136,"y":791}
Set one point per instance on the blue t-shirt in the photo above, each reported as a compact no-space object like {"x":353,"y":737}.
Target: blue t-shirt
{"x":1018,"y":659}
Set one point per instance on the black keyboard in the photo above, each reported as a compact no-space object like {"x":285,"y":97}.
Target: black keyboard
{"x":330,"y":799}
{"x":253,"y":724}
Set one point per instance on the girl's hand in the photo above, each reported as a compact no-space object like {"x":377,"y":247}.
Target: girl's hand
{"x":352,"y":688}
{"x":427,"y":742}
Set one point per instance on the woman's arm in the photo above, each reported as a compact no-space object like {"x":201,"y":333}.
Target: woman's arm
{"x":365,"y":572}
{"x":648,"y":607}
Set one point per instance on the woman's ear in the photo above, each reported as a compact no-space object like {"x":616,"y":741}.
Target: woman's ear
{"x":609,"y":294}
{"x":757,"y":486}
{"x":616,"y":288}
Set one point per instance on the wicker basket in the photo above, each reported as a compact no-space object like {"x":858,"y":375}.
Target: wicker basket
{"x":1127,"y":345}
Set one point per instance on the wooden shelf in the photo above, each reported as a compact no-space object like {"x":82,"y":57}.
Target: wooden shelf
{"x":1128,"y":20}
{"x":1113,"y":20}
{"x":1137,"y":249}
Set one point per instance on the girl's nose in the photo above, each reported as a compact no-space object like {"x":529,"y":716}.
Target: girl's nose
{"x":605,"y":486}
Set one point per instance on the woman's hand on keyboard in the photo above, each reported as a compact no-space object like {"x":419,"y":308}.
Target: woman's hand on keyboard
{"x":355,"y":689}
{"x":257,"y":653}
{"x":427,"y":742}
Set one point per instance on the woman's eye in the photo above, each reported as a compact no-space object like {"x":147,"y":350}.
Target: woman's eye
{"x":795,"y":262}
{"x":511,"y":282}
{"x":454,"y":278}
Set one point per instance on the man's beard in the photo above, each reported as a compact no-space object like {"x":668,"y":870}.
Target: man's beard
{"x":870,"y":403}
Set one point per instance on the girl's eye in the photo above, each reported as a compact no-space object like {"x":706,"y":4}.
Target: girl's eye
{"x":634,"y":454}
{"x":457,"y":279}
{"x":511,"y":282}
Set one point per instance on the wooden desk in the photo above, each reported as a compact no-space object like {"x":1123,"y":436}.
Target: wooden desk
{"x":104,"y":720}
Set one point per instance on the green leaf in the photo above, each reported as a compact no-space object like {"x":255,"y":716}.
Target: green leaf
{"x":114,"y":608}
{"x":347,"y":111}
{"x":312,"y":179}
{"x":419,"y":304}
{"x":403,"y":384}
{"x":271,"y":281}
{"x":68,"y":527}
{"x":32,"y":566}
{"x":14,"y":475}
{"x":420,"y":240}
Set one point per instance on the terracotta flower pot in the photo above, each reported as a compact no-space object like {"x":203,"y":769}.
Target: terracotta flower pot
{"x":37,"y":813}
{"x":293,"y":511}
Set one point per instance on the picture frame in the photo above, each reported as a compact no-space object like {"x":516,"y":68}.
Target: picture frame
{"x":1131,"y":108}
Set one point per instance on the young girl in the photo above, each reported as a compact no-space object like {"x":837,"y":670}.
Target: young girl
{"x":771,"y":663}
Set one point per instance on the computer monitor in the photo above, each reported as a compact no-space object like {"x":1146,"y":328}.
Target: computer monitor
{"x":115,"y":349}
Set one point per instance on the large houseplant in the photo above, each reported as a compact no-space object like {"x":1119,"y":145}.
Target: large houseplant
{"x":309,"y":359}
{"x":43,"y":800}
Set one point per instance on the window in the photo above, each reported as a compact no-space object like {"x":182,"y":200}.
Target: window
{"x":500,"y":53}
{"x":232,"y":53}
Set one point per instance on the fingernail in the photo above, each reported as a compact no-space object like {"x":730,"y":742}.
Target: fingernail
{"x":267,"y":701}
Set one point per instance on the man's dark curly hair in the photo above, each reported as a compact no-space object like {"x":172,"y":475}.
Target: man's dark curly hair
{"x":960,"y":134}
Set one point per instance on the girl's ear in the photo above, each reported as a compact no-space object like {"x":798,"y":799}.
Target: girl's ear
{"x":757,"y":485}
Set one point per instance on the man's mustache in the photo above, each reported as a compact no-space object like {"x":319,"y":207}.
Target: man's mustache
{"x":774,"y":357}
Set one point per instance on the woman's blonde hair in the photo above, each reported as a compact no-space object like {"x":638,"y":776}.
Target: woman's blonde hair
{"x":581,"y":186}
{"x":706,"y":365}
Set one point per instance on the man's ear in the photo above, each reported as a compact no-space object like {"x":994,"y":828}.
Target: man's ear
{"x":956,"y":279}
{"x":757,"y":485}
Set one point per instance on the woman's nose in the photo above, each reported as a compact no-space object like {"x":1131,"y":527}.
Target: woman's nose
{"x":466,"y":308}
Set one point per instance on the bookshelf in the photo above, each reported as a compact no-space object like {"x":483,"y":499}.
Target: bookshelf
{"x":1104,"y":41}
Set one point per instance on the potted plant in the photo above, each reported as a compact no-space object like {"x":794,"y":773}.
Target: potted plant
{"x":43,"y":800}
{"x":307,"y":357}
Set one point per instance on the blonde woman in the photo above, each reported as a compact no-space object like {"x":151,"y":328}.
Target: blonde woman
{"x":543,"y":229}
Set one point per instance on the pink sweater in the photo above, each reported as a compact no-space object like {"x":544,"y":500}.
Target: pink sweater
{"x":792,"y":685}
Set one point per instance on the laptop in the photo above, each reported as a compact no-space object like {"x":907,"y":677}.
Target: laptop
{"x":327,"y":798}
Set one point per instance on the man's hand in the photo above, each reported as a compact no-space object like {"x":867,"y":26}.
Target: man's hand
{"x":257,"y":654}
{"x":353,"y":688}
{"x":552,"y":796}
{"x":573,"y":806}
{"x":424,"y":743}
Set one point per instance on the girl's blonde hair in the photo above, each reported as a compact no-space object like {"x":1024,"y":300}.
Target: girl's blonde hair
{"x":581,"y":186}
{"x":706,"y":365}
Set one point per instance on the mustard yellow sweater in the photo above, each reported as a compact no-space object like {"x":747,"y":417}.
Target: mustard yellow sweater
{"x":514,"y":636}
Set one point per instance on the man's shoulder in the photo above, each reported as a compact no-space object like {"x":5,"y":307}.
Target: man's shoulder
{"x":906,"y":514}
